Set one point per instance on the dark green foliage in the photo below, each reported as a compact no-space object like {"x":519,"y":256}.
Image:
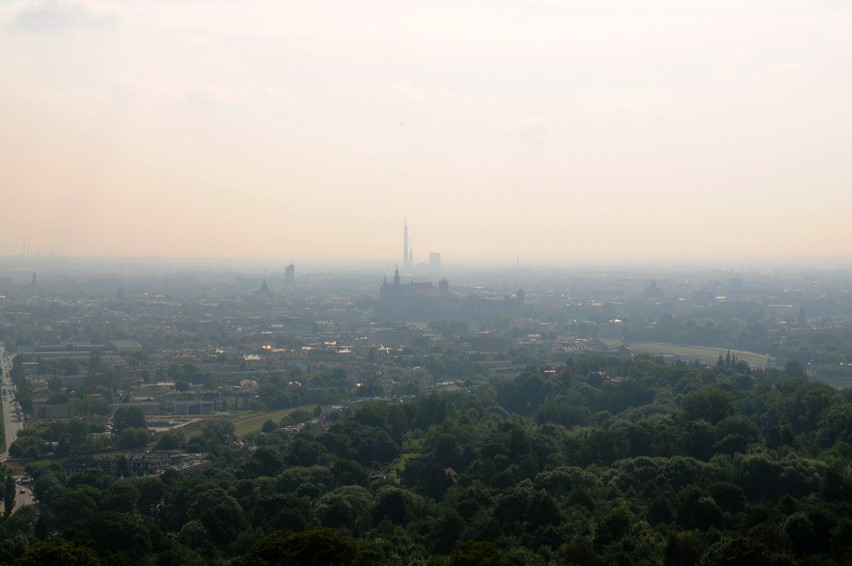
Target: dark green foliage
{"x":57,"y":550}
{"x":526,"y":393}
{"x":133,"y":438}
{"x":561,"y":411}
{"x":9,"y":488}
{"x":698,"y":511}
{"x":128,"y":416}
{"x":710,"y":404}
{"x":841,"y":541}
{"x":112,"y":533}
{"x":730,"y":497}
{"x":218,"y":431}
{"x":318,"y":547}
{"x":580,"y":551}
{"x":394,"y":504}
{"x":306,"y":451}
{"x":280,"y":511}
{"x":74,"y":504}
{"x":741,"y":551}
{"x":122,"y":496}
{"x":600,"y":461}
{"x":660,"y":511}
{"x":264,"y":462}
{"x":168,"y":441}
{"x":220,"y":515}
{"x":426,"y":478}
{"x":347,"y":507}
{"x":612,"y":527}
{"x":445,"y":530}
{"x":477,"y":553}
{"x":683,"y":548}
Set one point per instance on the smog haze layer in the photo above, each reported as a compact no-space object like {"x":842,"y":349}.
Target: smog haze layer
{"x":583,"y":131}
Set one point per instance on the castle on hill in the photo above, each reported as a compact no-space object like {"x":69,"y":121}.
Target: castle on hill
{"x":398,"y":291}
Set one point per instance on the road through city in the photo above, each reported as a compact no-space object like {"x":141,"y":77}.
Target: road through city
{"x":12,"y":423}
{"x":12,"y":416}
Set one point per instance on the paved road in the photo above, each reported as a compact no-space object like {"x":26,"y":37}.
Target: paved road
{"x":12,"y":416}
{"x":23,"y":496}
{"x":12,"y":423}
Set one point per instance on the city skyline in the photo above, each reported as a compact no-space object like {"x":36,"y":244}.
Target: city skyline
{"x":613,"y":131}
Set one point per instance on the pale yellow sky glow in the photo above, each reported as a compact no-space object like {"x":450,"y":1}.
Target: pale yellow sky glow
{"x":553,"y":130}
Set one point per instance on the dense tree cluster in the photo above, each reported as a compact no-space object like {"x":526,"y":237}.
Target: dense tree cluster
{"x":601,"y":461}
{"x":59,"y":438}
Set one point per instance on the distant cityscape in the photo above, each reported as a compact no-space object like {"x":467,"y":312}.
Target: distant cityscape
{"x":132,"y":372}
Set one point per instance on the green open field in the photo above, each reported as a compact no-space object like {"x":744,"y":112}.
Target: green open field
{"x":398,"y":466}
{"x":703,"y":354}
{"x":252,"y":421}
{"x":245,"y":422}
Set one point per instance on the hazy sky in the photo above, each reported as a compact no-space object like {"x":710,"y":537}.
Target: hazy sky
{"x":567,"y":130}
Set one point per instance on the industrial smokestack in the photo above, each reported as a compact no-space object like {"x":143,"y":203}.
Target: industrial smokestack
{"x":405,"y":244}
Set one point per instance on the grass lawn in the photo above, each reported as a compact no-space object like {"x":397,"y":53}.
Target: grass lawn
{"x":193,"y":429}
{"x":252,"y":421}
{"x":688,"y":353}
{"x":403,"y":460}
{"x":245,"y":422}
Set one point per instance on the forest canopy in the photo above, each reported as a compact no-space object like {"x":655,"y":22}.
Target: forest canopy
{"x":597,"y":461}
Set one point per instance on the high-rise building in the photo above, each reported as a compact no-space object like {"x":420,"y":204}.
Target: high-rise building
{"x":405,"y":256}
{"x":290,"y":274}
{"x":435,"y":260}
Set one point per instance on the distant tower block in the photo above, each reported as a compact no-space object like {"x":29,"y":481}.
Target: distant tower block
{"x":405,"y":255}
{"x":290,"y":274}
{"x":435,"y":260}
